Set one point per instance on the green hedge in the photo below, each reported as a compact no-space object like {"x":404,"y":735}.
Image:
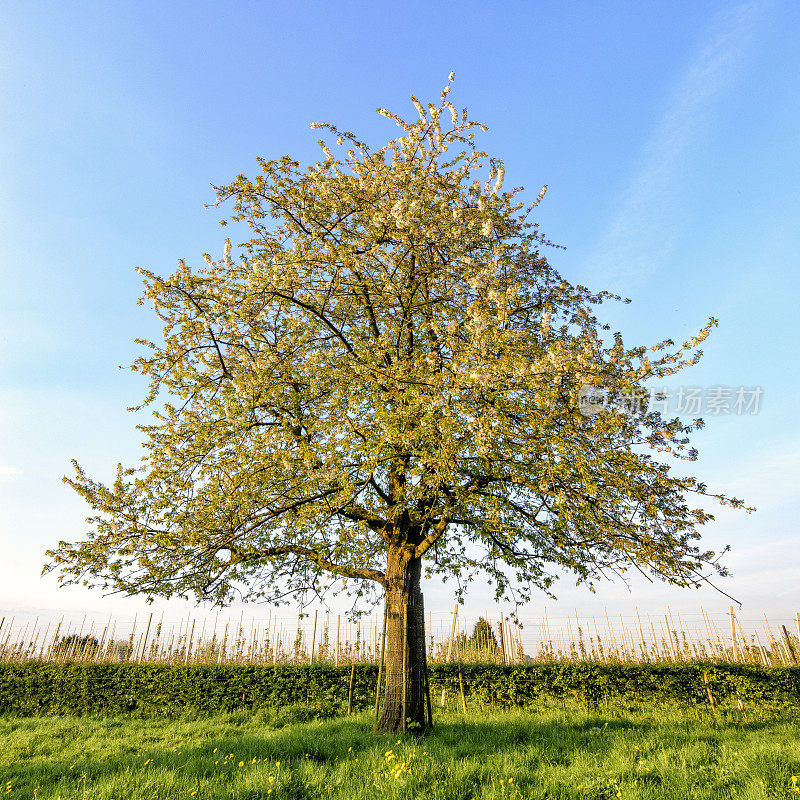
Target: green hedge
{"x":55,"y":688}
{"x":593,"y":683}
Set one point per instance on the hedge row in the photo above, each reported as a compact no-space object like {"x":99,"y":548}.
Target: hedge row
{"x":55,"y":688}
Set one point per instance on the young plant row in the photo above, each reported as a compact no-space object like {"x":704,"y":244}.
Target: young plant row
{"x":334,"y":641}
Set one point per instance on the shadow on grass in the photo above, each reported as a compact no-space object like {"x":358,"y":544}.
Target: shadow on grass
{"x":223,"y":759}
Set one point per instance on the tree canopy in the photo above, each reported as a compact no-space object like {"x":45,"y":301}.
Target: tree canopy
{"x":389,"y":361}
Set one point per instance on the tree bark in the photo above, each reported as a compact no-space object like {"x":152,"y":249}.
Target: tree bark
{"x":403,"y":592}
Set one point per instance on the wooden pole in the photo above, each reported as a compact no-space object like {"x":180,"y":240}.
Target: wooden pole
{"x":350,"y":690}
{"x":733,"y":635}
{"x":405,"y":645}
{"x":338,"y":625}
{"x":655,"y":640}
{"x":450,"y":650}
{"x":708,"y":629}
{"x":744,"y":647}
{"x":672,"y":631}
{"x":189,"y":643}
{"x":708,"y":692}
{"x":44,"y":641}
{"x":461,"y":687}
{"x":314,"y":637}
{"x":425,"y":667}
{"x":762,"y":650}
{"x":380,"y":663}
{"x":789,"y":645}
{"x":452,"y":633}
{"x":146,"y":634}
{"x":503,"y":640}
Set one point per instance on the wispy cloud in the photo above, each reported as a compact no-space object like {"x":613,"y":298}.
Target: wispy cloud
{"x":6,"y":473}
{"x":638,"y":240}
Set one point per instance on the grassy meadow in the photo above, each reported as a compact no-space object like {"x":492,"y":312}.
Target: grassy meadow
{"x":551,"y":753}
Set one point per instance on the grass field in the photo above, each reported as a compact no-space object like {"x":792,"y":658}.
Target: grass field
{"x":553,"y":753}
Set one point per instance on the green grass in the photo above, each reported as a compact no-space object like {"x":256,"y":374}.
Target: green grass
{"x":553,"y":753}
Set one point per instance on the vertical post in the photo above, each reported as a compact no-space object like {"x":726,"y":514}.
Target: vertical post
{"x":744,"y":647}
{"x":503,"y":639}
{"x":146,"y":634}
{"x":314,"y":637}
{"x":380,"y":663}
{"x":789,"y":645}
{"x":223,"y":647}
{"x":405,"y":662}
{"x":762,"y":650}
{"x":797,"y":620}
{"x":350,"y":690}
{"x":425,"y":667}
{"x":708,"y":692}
{"x":461,"y":687}
{"x":709,"y":634}
{"x":733,"y":636}
{"x":655,"y":640}
{"x":44,"y":641}
{"x":430,"y":633}
{"x":338,"y":625}
{"x":673,"y":636}
{"x":189,"y":643}
{"x":670,"y":642}
{"x":452,"y":633}
{"x":77,"y":641}
{"x":450,"y":650}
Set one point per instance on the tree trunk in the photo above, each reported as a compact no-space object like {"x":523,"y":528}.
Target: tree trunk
{"x":404,"y":601}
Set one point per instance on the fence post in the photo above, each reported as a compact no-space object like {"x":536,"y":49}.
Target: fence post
{"x":450,"y":650}
{"x":146,"y":634}
{"x":733,"y":636}
{"x":708,"y":692}
{"x":314,"y":637}
{"x":405,"y":663}
{"x":350,"y":689}
{"x":189,"y":643}
{"x":380,"y":663}
{"x":425,"y":666}
{"x":789,"y":644}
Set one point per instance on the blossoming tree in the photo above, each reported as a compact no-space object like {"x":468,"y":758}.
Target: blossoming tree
{"x":384,"y":380}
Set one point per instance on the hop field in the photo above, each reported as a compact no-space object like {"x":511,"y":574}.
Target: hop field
{"x":555,"y":753}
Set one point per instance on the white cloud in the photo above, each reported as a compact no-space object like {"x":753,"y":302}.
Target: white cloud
{"x":6,"y":473}
{"x":639,"y":238}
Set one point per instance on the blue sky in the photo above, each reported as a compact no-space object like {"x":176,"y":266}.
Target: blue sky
{"x":667,"y":133}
